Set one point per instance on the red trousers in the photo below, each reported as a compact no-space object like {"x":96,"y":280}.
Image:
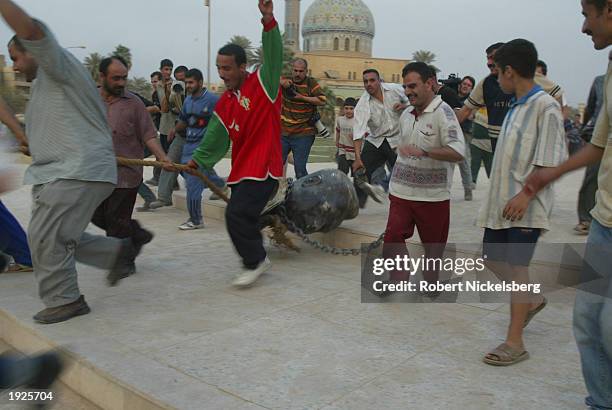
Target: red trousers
{"x":432,"y":219}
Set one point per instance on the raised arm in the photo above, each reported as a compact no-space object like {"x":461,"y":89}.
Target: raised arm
{"x":22,"y":24}
{"x":272,"y":42}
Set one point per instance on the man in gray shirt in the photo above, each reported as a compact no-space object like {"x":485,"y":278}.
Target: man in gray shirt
{"x":73,"y":168}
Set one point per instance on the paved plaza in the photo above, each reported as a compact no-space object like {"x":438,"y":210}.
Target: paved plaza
{"x":177,"y":335}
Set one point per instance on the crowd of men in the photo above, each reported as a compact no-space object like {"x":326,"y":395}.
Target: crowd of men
{"x":406,"y":138}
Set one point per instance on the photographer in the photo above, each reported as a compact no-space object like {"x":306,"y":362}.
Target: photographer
{"x":301,"y":97}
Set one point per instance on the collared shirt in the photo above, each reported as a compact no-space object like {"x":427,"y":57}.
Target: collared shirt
{"x":532,"y":136}
{"x":376,"y":120}
{"x":66,"y":124}
{"x":344,"y":130}
{"x":132,"y":127}
{"x":602,"y":138}
{"x":196,"y":113}
{"x":427,"y":179}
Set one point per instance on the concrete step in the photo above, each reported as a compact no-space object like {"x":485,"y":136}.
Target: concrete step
{"x":82,"y":385}
{"x":64,"y":397}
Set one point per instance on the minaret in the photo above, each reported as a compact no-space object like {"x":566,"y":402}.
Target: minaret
{"x":292,"y":24}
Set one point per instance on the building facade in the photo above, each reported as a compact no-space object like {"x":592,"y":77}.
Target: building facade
{"x":338,"y":38}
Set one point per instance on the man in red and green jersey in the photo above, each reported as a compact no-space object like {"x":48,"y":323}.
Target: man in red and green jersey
{"x":248,"y":114}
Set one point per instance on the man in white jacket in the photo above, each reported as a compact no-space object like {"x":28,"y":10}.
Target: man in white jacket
{"x":377,"y":122}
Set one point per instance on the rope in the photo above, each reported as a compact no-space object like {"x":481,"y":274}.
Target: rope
{"x":180,"y":167}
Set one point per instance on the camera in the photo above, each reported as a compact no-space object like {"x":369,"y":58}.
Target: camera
{"x":178,"y":87}
{"x":453,"y":81}
{"x":291,"y":91}
{"x":315,"y":121}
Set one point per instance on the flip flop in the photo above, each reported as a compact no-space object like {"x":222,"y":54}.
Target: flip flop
{"x":534,"y":312}
{"x":18,"y":268}
{"x":505,"y":356}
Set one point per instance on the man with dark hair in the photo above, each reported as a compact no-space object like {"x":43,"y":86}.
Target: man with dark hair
{"x":193,"y":121}
{"x":73,"y":168}
{"x":132,"y":130}
{"x":593,"y":307}
{"x":478,"y":144}
{"x":513,"y":219}
{"x":180,"y":73}
{"x":487,"y":93}
{"x":167,"y":116}
{"x":248,"y":114}
{"x":541,"y":68}
{"x":302,"y":95}
{"x":451,"y":97}
{"x":377,"y":122}
{"x":431,"y":142}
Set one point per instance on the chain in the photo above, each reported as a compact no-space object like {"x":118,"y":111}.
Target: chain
{"x":282,"y":212}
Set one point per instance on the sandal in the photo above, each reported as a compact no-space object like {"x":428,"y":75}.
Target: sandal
{"x":505,"y":355}
{"x":18,"y":268}
{"x":534,"y":312}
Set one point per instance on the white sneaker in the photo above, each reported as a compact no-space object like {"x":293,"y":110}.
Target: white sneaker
{"x":190,"y":226}
{"x":249,"y":276}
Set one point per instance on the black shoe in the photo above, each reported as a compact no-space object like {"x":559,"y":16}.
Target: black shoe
{"x":63,"y":313}
{"x":124,"y":264}
{"x":141,"y":237}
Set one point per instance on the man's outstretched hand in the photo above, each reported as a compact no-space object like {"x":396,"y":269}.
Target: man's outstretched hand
{"x":267,"y":10}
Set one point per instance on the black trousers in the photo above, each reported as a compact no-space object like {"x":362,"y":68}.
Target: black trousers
{"x":114,"y":215}
{"x":247,"y":201}
{"x":373,"y":158}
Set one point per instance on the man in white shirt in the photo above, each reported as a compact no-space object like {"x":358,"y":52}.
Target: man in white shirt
{"x":431,"y":141}
{"x":377,"y":122}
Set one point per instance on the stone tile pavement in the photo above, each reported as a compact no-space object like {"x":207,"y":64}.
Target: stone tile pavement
{"x":301,"y":338}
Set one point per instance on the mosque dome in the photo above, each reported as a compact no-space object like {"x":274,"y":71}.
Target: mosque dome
{"x":343,"y":27}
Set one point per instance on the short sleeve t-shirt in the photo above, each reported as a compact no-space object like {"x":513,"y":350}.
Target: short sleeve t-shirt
{"x":427,"y":179}
{"x":344,"y":129}
{"x":532,"y":136}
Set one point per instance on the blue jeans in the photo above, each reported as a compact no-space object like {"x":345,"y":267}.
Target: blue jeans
{"x":195,"y":186}
{"x":300,"y":146}
{"x":13,"y":240}
{"x":592,"y":315}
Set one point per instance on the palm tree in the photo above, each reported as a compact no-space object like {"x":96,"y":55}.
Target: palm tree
{"x":424,"y":56}
{"x":141,"y":86}
{"x":92,"y":63}
{"x":123,"y":52}
{"x":245,"y":43}
{"x":288,"y":55}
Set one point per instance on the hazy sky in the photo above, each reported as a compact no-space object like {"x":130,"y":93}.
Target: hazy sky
{"x":458,"y":31}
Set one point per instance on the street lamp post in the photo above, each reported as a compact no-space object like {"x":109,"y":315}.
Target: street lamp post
{"x":207,"y":4}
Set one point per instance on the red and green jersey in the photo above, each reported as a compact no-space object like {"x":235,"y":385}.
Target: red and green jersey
{"x":250,"y":119}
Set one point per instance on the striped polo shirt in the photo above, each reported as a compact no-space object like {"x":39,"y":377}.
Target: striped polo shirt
{"x":532,"y":135}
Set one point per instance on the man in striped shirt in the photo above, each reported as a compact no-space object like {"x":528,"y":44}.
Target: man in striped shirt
{"x":531,"y":137}
{"x":302,"y":95}
{"x":73,"y":167}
